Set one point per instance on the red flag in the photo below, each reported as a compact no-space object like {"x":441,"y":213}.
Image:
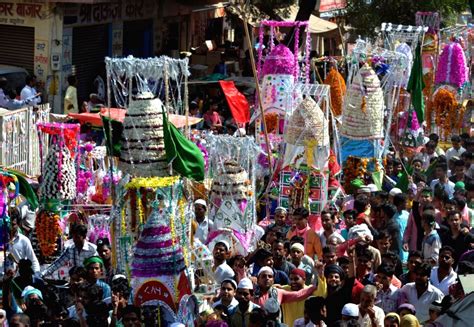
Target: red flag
{"x":238,"y":104}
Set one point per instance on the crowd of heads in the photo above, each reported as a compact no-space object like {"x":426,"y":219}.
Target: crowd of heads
{"x":382,"y":256}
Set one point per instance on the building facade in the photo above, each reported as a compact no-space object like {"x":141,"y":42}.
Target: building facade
{"x":54,"y":39}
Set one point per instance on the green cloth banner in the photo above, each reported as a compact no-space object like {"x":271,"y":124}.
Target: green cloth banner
{"x":185,"y":157}
{"x":416,"y":86}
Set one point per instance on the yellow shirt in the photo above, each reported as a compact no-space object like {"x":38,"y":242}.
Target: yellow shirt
{"x":70,"y":101}
{"x":294,"y":310}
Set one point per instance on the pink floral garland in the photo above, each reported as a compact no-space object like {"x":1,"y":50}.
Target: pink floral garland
{"x":452,"y":66}
{"x":297,"y":25}
{"x":307,"y":53}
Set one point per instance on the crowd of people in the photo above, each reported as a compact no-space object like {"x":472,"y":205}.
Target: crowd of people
{"x":95,"y":295}
{"x":381,"y":257}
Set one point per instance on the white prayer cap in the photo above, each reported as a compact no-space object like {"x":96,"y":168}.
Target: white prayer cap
{"x":265,"y":269}
{"x":281,"y":209}
{"x":394,"y":191}
{"x":245,"y":283}
{"x":297,"y":246}
{"x":201,"y":202}
{"x":225,"y":243}
{"x":373,"y":188}
{"x":350,"y":310}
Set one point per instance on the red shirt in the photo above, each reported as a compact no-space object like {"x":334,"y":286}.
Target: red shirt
{"x":356,"y":291}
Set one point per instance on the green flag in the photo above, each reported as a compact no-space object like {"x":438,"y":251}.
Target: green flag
{"x":184,"y":155}
{"x":113,"y":136}
{"x":416,"y":86}
{"x":403,"y":183}
{"x":377,"y":178}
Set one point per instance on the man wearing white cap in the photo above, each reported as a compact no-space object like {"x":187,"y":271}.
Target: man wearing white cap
{"x":266,"y":290}
{"x":221,"y":269}
{"x":227,"y":295}
{"x":297,"y":254}
{"x":350,"y":311}
{"x":204,"y":225}
{"x":240,"y":315}
{"x":280,"y":223}
{"x":394,"y":191}
{"x":373,"y":188}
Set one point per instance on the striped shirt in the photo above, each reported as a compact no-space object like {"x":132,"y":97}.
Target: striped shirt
{"x":72,"y":257}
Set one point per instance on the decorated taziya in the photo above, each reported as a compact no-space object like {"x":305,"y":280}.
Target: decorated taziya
{"x":277,"y":79}
{"x":452,"y":68}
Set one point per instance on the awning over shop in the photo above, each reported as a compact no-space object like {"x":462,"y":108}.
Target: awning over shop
{"x":316,"y":24}
{"x":117,"y":114}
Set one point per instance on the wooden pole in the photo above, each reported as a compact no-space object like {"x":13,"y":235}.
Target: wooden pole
{"x":257,"y":88}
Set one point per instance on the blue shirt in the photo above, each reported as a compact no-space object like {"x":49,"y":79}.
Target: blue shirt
{"x":279,"y":276}
{"x":105,"y":289}
{"x":402,"y":220}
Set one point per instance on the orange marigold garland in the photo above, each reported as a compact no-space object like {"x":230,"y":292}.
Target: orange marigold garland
{"x":447,"y":115}
{"x":428,"y":78}
{"x":338,"y":89}
{"x":48,"y":231}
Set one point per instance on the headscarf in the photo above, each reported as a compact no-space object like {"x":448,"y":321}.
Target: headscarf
{"x":409,"y":321}
{"x":335,"y":269}
{"x":407,"y":306}
{"x":30,"y":290}
{"x":94,"y":259}
{"x":393,"y":315}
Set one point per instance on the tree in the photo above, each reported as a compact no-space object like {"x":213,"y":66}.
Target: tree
{"x":365,"y":16}
{"x":267,"y":7}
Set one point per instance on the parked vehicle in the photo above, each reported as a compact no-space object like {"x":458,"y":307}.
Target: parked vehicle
{"x":14,"y":75}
